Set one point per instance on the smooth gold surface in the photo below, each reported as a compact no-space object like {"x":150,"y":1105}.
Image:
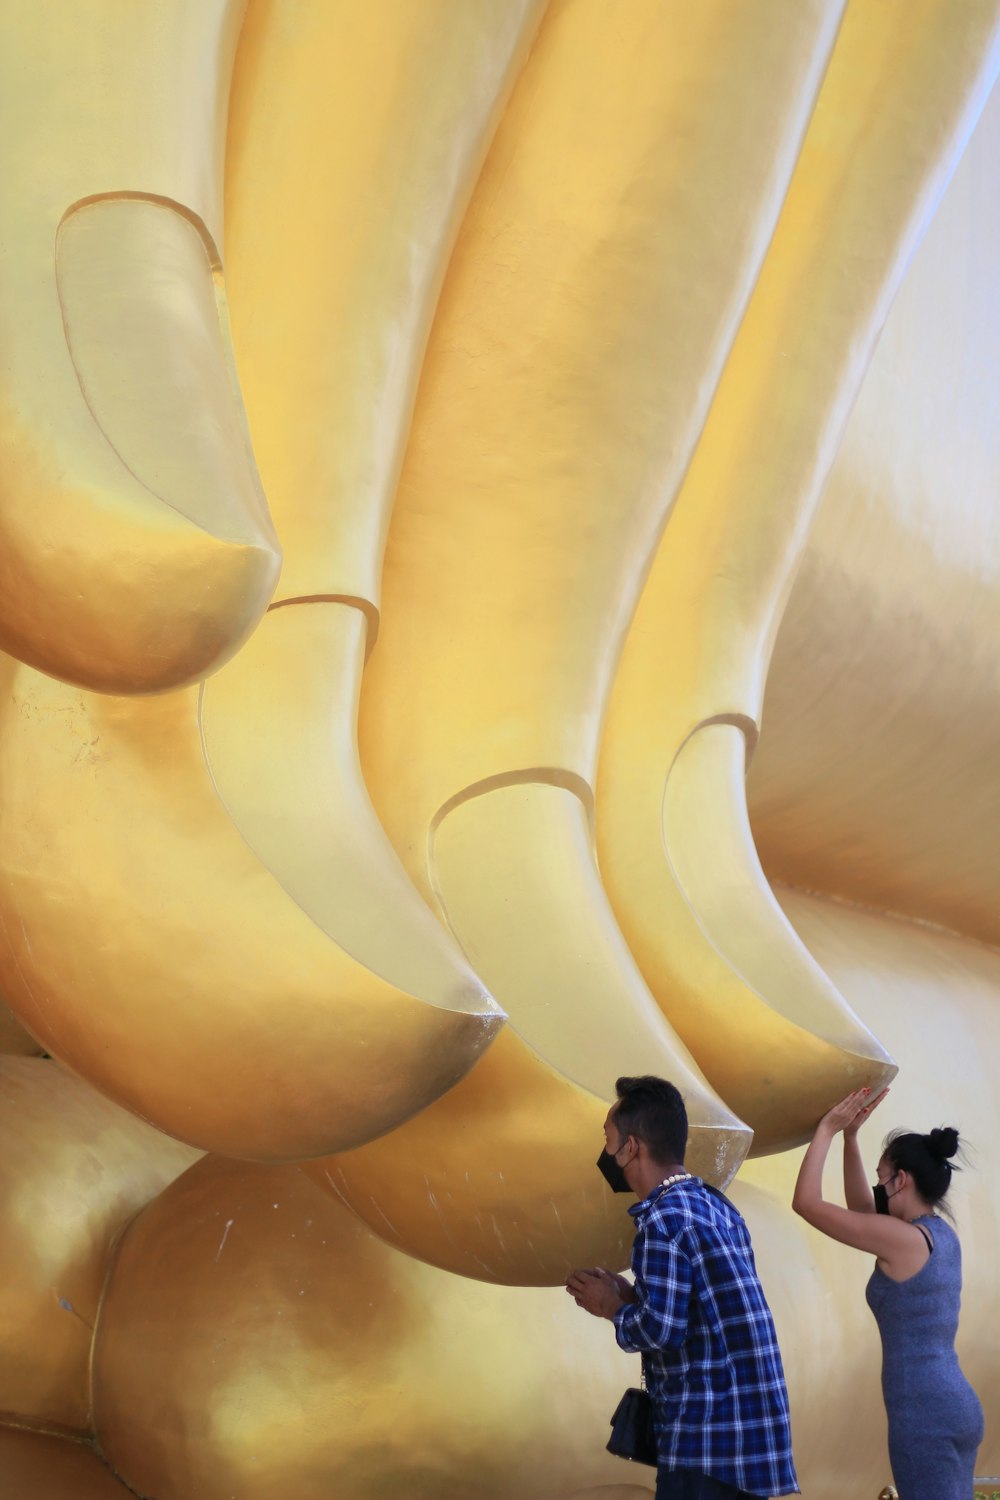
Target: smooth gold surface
{"x":356,"y":134}
{"x":606,"y":255}
{"x":593,"y":295}
{"x":136,"y":550}
{"x":479,"y":1186}
{"x":278,"y":735}
{"x":37,"y":1467}
{"x":476,"y":1184}
{"x":727,"y":911}
{"x":231,"y":1261}
{"x":263,"y":763}
{"x":73,"y":1169}
{"x":549,"y":434}
{"x":569,"y":1027}
{"x":936,"y":996}
{"x":14,"y":1040}
{"x":879,"y":779}
{"x":379,"y":1371}
{"x":888,"y":130}
{"x":179,"y":976}
{"x":612,"y":1492}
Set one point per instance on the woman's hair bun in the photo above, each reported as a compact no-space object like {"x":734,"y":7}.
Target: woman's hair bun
{"x":943,"y":1143}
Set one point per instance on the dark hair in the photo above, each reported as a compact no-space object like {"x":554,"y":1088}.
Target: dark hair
{"x":926,"y":1158}
{"x":653,"y":1110}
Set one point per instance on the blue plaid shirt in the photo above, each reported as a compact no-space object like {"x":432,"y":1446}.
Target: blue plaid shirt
{"x":705,"y":1332}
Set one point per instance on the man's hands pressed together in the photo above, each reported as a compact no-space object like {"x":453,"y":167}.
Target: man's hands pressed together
{"x":600,"y":1292}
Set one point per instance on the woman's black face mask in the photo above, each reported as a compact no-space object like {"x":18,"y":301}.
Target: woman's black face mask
{"x":613,"y":1174}
{"x":881,"y":1194}
{"x":881,"y":1198}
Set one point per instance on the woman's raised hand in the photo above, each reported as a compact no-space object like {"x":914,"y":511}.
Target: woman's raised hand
{"x":851,"y":1113}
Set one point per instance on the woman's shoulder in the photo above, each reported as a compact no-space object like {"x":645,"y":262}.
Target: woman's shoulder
{"x":941,"y":1232}
{"x":936,"y":1222}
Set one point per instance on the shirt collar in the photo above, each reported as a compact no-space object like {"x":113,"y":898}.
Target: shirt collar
{"x":660,"y":1191}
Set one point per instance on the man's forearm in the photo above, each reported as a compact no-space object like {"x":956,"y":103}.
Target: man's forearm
{"x":640,"y":1329}
{"x":628,"y":1330}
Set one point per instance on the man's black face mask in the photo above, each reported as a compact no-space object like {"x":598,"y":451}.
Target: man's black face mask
{"x":613,"y":1174}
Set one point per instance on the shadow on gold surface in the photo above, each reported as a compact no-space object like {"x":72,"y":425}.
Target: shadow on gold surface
{"x":14,"y":1040}
{"x":74,"y":1168}
{"x":236,"y":1259}
{"x":136,"y":551}
{"x":885,"y":136}
{"x":34,"y":1466}
{"x":255,"y":994}
{"x":613,"y":1492}
{"x":876,"y":779}
{"x":231,"y":1260}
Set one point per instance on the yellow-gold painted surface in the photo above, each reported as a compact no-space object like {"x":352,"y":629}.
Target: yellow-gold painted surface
{"x":356,"y":134}
{"x":14,"y":1039}
{"x":878,"y":777}
{"x":237,"y":1259}
{"x":611,"y":1492}
{"x":34,"y":1466}
{"x":278,"y":732}
{"x":231,"y":1261}
{"x":341,"y":238}
{"x":535,"y":484}
{"x":566,"y":1024}
{"x":609,"y":255}
{"x":136,"y":550}
{"x":888,"y":130}
{"x":116,"y":851}
{"x":440,"y":1191}
{"x":74,"y":1168}
{"x":727,"y":911}
{"x":525,"y":1205}
{"x":936,"y":996}
{"x":589,"y":306}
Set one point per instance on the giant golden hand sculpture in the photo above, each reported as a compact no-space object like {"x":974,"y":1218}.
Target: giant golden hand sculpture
{"x":621,"y":378}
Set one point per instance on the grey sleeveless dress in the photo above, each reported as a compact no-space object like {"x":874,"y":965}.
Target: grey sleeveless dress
{"x":935,"y":1419}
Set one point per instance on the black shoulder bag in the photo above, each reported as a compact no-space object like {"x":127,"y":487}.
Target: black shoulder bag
{"x":633,"y":1435}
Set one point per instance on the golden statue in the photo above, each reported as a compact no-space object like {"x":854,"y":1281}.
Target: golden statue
{"x":499,"y":586}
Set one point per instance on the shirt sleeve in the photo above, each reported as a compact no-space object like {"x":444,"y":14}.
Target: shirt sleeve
{"x":658,"y":1319}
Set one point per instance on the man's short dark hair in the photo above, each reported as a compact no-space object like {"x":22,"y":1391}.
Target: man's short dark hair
{"x":653,"y":1111}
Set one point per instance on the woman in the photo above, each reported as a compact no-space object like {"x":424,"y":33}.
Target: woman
{"x":935,"y":1419}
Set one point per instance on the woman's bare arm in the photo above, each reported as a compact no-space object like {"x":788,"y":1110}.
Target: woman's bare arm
{"x":857,"y":1191}
{"x":892,"y":1241}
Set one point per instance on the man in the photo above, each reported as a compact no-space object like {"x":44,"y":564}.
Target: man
{"x":697,"y":1312}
